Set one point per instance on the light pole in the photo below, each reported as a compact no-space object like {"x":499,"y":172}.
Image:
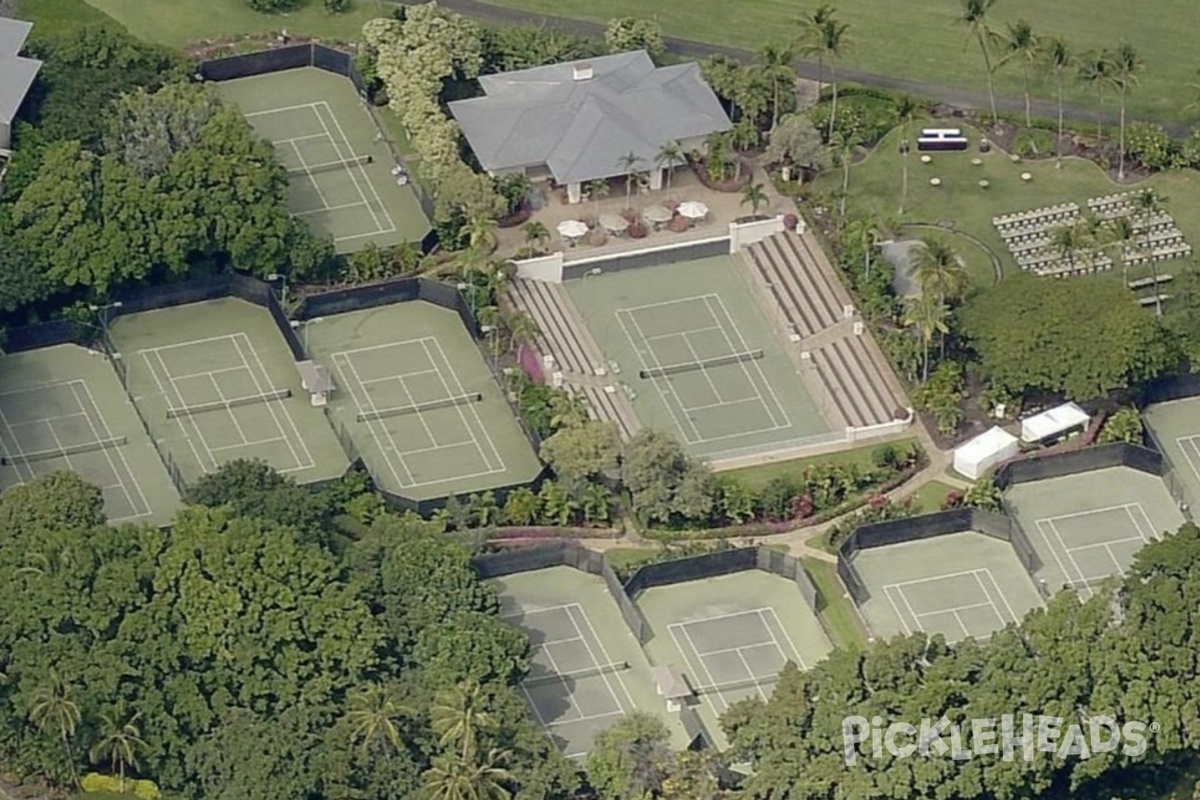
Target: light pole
{"x":101,"y":313}
{"x":278,"y":276}
{"x":302,"y":325}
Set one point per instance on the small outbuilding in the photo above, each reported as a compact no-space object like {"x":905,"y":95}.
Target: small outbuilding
{"x":977,"y":456}
{"x":1054,"y":424}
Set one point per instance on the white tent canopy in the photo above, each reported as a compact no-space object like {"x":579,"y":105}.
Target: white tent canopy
{"x":980,"y":454}
{"x":1051,"y":423}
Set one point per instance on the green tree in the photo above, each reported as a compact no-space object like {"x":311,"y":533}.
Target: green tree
{"x":1060,"y":60}
{"x":1096,"y":73}
{"x":927,"y":315}
{"x":1121,"y":233}
{"x":795,"y":141}
{"x":812,"y":29}
{"x":583,"y":452}
{"x":482,"y":777}
{"x":1125,"y":425}
{"x":51,"y":708}
{"x":776,"y":63}
{"x":481,"y":232}
{"x":148,"y":130}
{"x":1023,"y":45}
{"x":938,"y":268}
{"x":459,"y":717}
{"x":755,"y":196}
{"x":558,"y":506}
{"x":974,"y":16}
{"x":521,"y":507}
{"x":630,"y":33}
{"x":596,"y":191}
{"x":376,"y":717}
{"x":521,"y":328}
{"x":628,"y":761}
{"x":1148,"y":204}
{"x":118,"y":745}
{"x":629,"y":164}
{"x":536,"y":234}
{"x":664,"y":481}
{"x":1126,"y":64}
{"x":1081,"y":338}
{"x":833,"y":41}
{"x":595,"y":503}
{"x":253,"y":489}
{"x":669,"y":156}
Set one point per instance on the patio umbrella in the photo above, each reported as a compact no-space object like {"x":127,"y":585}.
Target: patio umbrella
{"x":693,"y":209}
{"x":613,"y":223}
{"x":657,"y":214}
{"x":572,"y":229}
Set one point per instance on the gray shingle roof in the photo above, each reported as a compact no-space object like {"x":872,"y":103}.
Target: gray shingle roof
{"x":581,"y":128}
{"x":16,"y":73}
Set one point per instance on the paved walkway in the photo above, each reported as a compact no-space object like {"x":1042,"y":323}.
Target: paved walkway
{"x":947,"y":95}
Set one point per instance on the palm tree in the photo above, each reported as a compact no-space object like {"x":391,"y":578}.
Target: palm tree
{"x":1068,"y":240}
{"x":374,"y":715}
{"x":777,"y":68}
{"x":1023,"y":44}
{"x":811,"y":31}
{"x":521,"y":328}
{"x":905,"y":107}
{"x":459,"y":715}
{"x":1121,"y":233}
{"x":1060,"y":60}
{"x":754,"y":195}
{"x":843,"y":145}
{"x":1126,"y":63}
{"x":974,"y":16}
{"x":668,"y":156}
{"x":118,"y":745}
{"x":938,"y":268}
{"x":480,"y":231}
{"x":1095,"y":72}
{"x":629,"y":165}
{"x":51,"y":706}
{"x":833,"y":42}
{"x":536,"y":234}
{"x":1147,"y":204}
{"x":595,"y":503}
{"x":928,"y":316}
{"x":597,"y":190}
{"x":489,"y":319}
{"x":454,"y":778}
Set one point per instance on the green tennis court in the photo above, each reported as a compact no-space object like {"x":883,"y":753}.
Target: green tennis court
{"x":340,"y":171}
{"x":960,"y":585}
{"x":217,"y":383}
{"x":698,"y":358}
{"x":1088,"y":527}
{"x":419,"y":401}
{"x":730,"y":636}
{"x":1175,"y":429}
{"x":63,"y":409}
{"x":588,"y":670}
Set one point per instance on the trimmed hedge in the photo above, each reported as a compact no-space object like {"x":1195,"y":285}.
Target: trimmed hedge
{"x":550,"y":532}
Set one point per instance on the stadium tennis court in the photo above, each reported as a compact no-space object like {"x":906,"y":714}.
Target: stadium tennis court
{"x":1175,"y":429}
{"x":231,"y":394}
{"x":419,"y":402}
{"x":80,"y":425}
{"x":340,"y":170}
{"x":698,"y":359}
{"x":959,"y":585}
{"x":1089,"y":526}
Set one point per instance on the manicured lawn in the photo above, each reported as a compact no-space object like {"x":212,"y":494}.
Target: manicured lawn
{"x":921,"y":39}
{"x":930,"y":496}
{"x":626,"y":559}
{"x":835,"y":608}
{"x":875,"y":185}
{"x":59,"y":16}
{"x":178,"y":22}
{"x":758,"y":476}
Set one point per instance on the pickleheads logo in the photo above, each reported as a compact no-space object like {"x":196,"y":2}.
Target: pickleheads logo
{"x":1006,"y":736}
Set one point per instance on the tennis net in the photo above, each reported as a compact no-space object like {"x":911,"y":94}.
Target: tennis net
{"x":232,"y":402}
{"x":330,"y":166}
{"x":590,"y":672}
{"x":733,"y":686}
{"x":691,"y":366}
{"x":416,"y":408}
{"x":62,"y":452}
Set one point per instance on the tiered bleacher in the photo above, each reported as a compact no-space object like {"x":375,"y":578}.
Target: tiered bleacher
{"x":802,"y":294}
{"x":1029,"y":236}
{"x":575,"y":361}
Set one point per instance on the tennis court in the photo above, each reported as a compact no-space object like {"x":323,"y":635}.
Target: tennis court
{"x":1175,"y":429}
{"x":587,"y":669}
{"x":340,"y":172}
{"x":1089,"y":526}
{"x":63,"y":409}
{"x":419,"y":401}
{"x":730,"y":636}
{"x":701,"y":359}
{"x":217,"y":383}
{"x":958,"y":585}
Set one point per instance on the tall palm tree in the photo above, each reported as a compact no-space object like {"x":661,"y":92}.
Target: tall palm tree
{"x":833,"y":43}
{"x":1121,"y":235}
{"x":928,"y":316}
{"x":1060,"y":60}
{"x":1068,"y":240}
{"x":521,"y":328}
{"x":1148,"y":204}
{"x":489,"y":319}
{"x":938,"y":268}
{"x":52,"y":707}
{"x":754,"y":195}
{"x":597,"y":190}
{"x":811,"y":32}
{"x":905,"y":108}
{"x":668,"y":156}
{"x":459,"y":715}
{"x":1023,"y":45}
{"x":1126,"y":64}
{"x":374,"y":716}
{"x":777,"y":68}
{"x":457,"y":778}
{"x":480,"y":231}
{"x":975,"y":17}
{"x":1095,"y":72}
{"x":536,"y":234}
{"x":629,"y":165}
{"x":118,"y":745}
{"x":843,"y":145}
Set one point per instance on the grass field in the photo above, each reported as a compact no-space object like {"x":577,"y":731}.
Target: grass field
{"x":760,"y":475}
{"x":875,"y":189}
{"x":930,"y":496}
{"x":834,"y":608}
{"x":921,"y":40}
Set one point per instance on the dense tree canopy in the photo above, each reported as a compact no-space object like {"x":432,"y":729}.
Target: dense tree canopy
{"x":1083,"y":338}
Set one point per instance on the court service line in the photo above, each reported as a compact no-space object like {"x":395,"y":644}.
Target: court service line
{"x":308,"y":462}
{"x":416,"y":374}
{"x":1191,"y":440}
{"x":174,"y":398}
{"x":1089,"y":512}
{"x":1153,"y":535}
{"x":730,"y":615}
{"x":712,"y":682}
{"x":1040,"y":524}
{"x":3,"y":444}
{"x":459,"y":389}
{"x":446,"y":392}
{"x":570,"y":695}
{"x":754,"y":677}
{"x":1003,"y":597}
{"x":787,"y":636}
{"x":108,"y":453}
{"x":350,"y":378}
{"x":221,"y":396}
{"x":916,"y":617}
{"x":337,"y":148}
{"x":675,"y":302}
{"x":607,"y":660}
{"x":420,"y":417}
{"x":208,"y":372}
{"x":279,"y":110}
{"x":673,"y":334}
{"x":741,"y":342}
{"x":363,"y":171}
{"x":658,"y":381}
{"x":1068,"y":552}
{"x":316,"y":186}
{"x":341,"y":207}
{"x":703,"y":369}
{"x":291,"y":139}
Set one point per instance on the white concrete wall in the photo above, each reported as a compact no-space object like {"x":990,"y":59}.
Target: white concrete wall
{"x":548,"y":269}
{"x":747,"y":233}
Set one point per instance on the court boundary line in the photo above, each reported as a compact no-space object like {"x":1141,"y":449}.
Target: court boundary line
{"x":108,"y":456}
{"x":1080,"y":578}
{"x":898,"y":589}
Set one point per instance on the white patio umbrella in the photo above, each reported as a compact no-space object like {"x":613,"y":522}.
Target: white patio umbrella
{"x":693,"y":209}
{"x":572,"y":229}
{"x":657,"y":214}
{"x":613,"y":223}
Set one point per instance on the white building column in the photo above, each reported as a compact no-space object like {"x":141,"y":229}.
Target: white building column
{"x":656,"y":179}
{"x":574,"y":192}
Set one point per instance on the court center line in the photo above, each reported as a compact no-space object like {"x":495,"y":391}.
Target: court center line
{"x":757,"y":686}
{"x":703,"y":369}
{"x":342,"y":207}
{"x":108,"y":455}
{"x":1012,"y":615}
{"x":1041,"y":525}
{"x":363,"y":172}
{"x":307,"y":462}
{"x":604,"y":652}
{"x":966,"y":633}
{"x":787,"y":636}
{"x":350,"y":378}
{"x":1152,"y":536}
{"x":221,"y":396}
{"x":185,"y":420}
{"x":741,"y":343}
{"x":343,"y":157}
{"x":682,"y":626}
{"x":658,"y":381}
{"x":570,"y":695}
{"x":311,"y":179}
{"x":462,"y":413}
